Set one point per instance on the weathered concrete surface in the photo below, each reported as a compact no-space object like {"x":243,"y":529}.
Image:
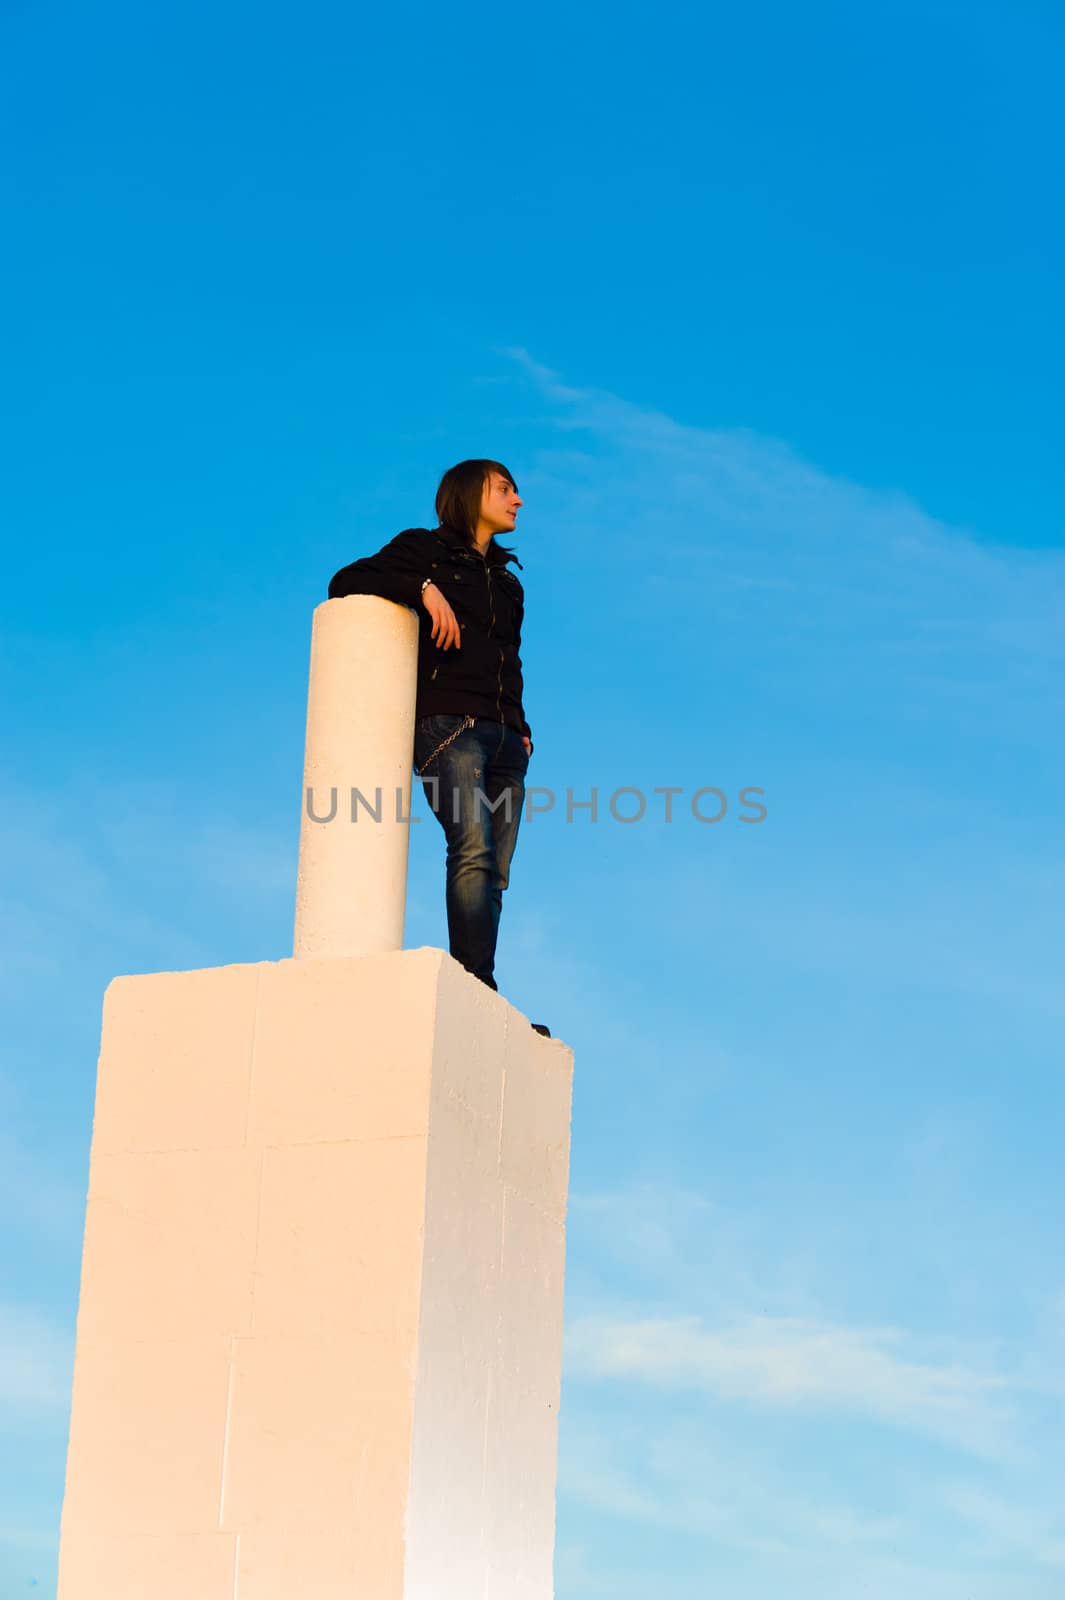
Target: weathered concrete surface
{"x":319,"y":1339}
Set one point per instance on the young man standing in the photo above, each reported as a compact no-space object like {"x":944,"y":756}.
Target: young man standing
{"x":471,"y":741}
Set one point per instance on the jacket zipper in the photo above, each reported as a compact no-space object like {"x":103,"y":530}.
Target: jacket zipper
{"x":491,"y":626}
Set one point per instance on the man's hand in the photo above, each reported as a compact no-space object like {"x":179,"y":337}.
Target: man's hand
{"x":527,"y":742}
{"x":446,"y":631}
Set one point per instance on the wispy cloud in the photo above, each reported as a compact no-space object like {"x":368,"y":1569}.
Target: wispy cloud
{"x":796,"y":558}
{"x":1005,"y":1528}
{"x":694,"y":1481}
{"x":708,"y":1394}
{"x":726,"y":1504}
{"x":789,"y":1362}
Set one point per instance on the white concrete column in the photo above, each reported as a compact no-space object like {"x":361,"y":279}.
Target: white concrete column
{"x":351,"y":881}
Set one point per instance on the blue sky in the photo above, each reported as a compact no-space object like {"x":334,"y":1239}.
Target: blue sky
{"x":761,"y":308}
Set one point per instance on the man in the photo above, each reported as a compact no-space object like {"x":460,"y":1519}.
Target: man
{"x":471,"y":741}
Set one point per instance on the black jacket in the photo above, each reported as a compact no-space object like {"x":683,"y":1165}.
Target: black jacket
{"x":483,"y":677}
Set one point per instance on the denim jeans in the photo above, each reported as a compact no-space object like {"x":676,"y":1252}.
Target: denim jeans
{"x":473,"y":774}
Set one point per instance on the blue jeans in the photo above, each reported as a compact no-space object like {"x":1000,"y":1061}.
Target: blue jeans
{"x":473,"y":774}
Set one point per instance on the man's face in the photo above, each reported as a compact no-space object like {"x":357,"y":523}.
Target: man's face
{"x":499,"y":503}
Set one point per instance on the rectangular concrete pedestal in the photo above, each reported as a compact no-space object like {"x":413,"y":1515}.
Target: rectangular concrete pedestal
{"x":319,"y":1338}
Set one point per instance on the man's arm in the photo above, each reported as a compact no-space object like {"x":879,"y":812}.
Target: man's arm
{"x":400,"y":572}
{"x":395,"y":573}
{"x":526,"y":731}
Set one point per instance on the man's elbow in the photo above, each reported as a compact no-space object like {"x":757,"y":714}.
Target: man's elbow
{"x":346,"y":581}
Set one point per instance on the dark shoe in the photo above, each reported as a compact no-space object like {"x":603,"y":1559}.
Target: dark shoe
{"x":539,"y":1027}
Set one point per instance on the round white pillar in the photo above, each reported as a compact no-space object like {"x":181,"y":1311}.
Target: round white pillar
{"x":351,"y":882}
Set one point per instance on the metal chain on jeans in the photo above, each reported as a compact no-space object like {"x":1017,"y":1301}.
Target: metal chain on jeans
{"x":467,"y":722}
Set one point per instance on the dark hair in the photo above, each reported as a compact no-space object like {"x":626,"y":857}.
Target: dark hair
{"x":458,"y":499}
